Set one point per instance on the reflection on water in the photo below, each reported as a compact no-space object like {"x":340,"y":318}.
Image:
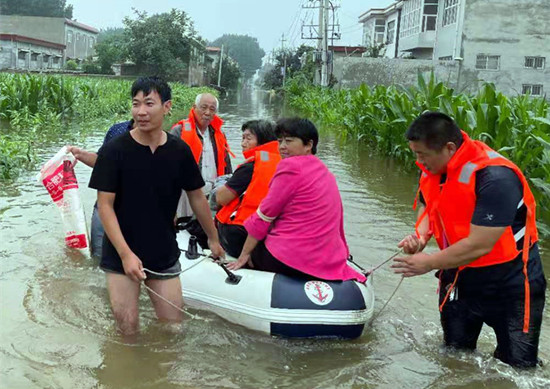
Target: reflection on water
{"x":57,"y":331}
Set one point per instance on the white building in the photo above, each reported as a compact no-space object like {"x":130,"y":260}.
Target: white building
{"x":505,"y":42}
{"x":36,"y":42}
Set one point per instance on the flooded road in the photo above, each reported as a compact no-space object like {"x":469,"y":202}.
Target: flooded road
{"x":56,"y":328}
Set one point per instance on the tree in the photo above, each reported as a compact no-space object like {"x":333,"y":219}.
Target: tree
{"x":52,"y":8}
{"x":298,"y":64}
{"x":161,"y":43}
{"x":375,"y":51}
{"x":112,"y":47}
{"x":244,"y":49}
{"x":231,"y":74}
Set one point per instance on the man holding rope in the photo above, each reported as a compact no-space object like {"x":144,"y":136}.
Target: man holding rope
{"x":139,"y":177}
{"x":478,"y":206}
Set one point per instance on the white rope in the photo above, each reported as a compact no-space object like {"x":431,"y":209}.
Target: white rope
{"x":169,"y":302}
{"x":398,"y":285}
{"x":177,"y":273}
{"x":174,"y":275}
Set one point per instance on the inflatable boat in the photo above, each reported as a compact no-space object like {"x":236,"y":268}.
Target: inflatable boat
{"x":274,"y":303}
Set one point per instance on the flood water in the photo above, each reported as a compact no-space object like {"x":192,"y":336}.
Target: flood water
{"x":56,"y":328}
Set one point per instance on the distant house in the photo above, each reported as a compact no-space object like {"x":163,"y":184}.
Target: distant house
{"x":347,"y":51}
{"x":35,"y":42}
{"x":500,"y":41}
{"x":213,"y":55}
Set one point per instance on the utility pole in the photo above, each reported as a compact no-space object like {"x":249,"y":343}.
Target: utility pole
{"x":220,"y":68}
{"x":284,"y":57}
{"x":321,"y":33}
{"x":323,"y":23}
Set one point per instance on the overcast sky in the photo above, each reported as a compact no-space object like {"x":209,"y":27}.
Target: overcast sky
{"x":265,"y":20}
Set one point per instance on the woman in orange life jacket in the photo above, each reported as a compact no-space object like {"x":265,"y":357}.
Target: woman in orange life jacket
{"x":478,"y":206}
{"x":242,"y":193}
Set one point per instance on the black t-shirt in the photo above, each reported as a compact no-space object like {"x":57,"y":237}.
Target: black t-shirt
{"x":498,"y":194}
{"x":147,"y":187}
{"x":242,"y":177}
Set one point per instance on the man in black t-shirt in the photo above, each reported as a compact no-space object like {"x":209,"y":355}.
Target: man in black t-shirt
{"x":480,"y":209}
{"x":139,"y":177}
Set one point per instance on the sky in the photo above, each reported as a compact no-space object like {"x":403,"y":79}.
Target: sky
{"x":265,"y":20}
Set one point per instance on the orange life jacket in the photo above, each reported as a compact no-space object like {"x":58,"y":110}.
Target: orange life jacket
{"x":266,"y":157}
{"x":189,"y":135}
{"x":450,"y":207}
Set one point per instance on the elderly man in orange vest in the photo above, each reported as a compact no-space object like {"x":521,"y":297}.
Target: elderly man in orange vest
{"x":478,"y":206}
{"x":202,"y":131}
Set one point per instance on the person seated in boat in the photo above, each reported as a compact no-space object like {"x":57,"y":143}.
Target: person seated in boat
{"x":298,"y":229}
{"x":242,"y":193}
{"x":202,"y":131}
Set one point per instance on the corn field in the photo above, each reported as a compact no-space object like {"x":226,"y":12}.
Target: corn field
{"x":36,"y":110}
{"x":517,"y":127}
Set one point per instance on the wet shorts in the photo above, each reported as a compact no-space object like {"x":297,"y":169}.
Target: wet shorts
{"x":463,"y":316}
{"x":166,"y":274}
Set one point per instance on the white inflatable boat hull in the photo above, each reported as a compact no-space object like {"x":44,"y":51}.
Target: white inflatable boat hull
{"x":276,"y":304}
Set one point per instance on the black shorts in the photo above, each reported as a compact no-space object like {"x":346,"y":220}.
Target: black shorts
{"x":265,"y":261}
{"x":166,"y":274}
{"x":463,"y":316}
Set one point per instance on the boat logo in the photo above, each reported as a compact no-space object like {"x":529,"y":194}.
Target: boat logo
{"x":319,"y":292}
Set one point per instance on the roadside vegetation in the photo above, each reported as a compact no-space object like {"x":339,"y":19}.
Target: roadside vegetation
{"x":517,"y":127}
{"x":36,"y":110}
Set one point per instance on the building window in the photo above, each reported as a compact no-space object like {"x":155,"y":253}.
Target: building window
{"x":488,"y":62}
{"x":411,"y":18}
{"x":535,"y":62}
{"x":450,"y":12}
{"x":34,"y":57}
{"x":22,"y":55}
{"x":56,"y":60}
{"x":429,"y":19}
{"x":379,"y":29}
{"x":391,"y":32}
{"x":69,"y":36}
{"x":532,"y":89}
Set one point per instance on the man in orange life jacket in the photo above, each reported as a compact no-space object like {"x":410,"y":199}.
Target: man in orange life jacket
{"x":479,"y":208}
{"x":242,"y":193}
{"x":202,"y":131}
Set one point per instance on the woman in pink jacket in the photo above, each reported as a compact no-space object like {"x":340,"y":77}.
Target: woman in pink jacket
{"x":298,"y":229}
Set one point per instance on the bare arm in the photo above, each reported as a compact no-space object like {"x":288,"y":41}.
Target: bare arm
{"x":131,"y":263}
{"x":479,"y":243}
{"x":224,"y":195}
{"x":414,"y":243}
{"x":200,"y":207}
{"x":88,"y":158}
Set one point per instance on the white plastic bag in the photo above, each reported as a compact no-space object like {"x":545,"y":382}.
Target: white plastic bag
{"x":58,"y":177}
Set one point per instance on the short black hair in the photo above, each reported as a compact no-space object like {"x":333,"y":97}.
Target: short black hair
{"x":263,"y":129}
{"x":149,"y":84}
{"x":435,"y":129}
{"x":299,"y":128}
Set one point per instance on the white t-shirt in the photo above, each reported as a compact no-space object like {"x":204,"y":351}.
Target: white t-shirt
{"x":208,"y":168}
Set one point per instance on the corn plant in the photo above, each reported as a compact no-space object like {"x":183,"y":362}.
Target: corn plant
{"x":517,"y":127}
